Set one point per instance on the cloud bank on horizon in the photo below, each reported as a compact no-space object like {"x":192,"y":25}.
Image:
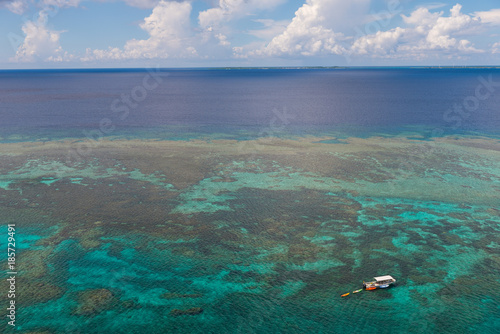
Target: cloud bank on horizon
{"x":253,"y":32}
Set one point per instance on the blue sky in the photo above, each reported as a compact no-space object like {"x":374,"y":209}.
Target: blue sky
{"x":205,"y":33}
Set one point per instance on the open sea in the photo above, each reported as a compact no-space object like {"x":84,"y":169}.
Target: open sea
{"x":249,"y":200}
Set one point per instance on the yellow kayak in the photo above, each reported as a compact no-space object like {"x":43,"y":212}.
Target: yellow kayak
{"x":345,"y":294}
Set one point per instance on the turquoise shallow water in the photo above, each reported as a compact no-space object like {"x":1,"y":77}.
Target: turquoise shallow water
{"x":263,"y":241}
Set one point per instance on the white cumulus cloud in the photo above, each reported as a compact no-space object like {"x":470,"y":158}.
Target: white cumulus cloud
{"x":492,"y":16}
{"x":168,"y":28}
{"x":425,"y":34}
{"x":380,"y":43}
{"x":422,"y":17}
{"x":313,"y":29}
{"x":40,"y":42}
{"x":439,"y":35}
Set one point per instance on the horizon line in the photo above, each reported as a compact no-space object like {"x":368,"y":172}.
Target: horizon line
{"x":252,"y":67}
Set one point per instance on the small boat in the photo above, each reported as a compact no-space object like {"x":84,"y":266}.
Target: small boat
{"x":357,"y":291}
{"x":345,"y":294}
{"x":381,"y":282}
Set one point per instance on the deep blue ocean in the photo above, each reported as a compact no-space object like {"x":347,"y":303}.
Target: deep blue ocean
{"x":221,"y":201}
{"x":241,"y":103}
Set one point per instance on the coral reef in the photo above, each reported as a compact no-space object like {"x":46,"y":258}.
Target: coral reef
{"x":93,"y":302}
{"x":267,"y":237}
{"x":190,"y":311}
